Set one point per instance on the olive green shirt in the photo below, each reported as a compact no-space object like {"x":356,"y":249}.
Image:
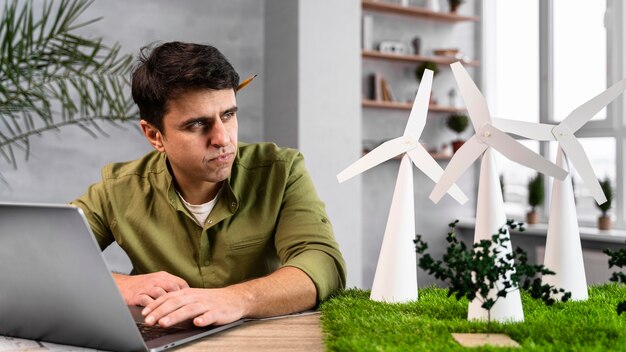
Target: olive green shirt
{"x":267,"y":216}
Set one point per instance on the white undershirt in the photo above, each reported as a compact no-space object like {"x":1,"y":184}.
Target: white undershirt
{"x":201,"y":211}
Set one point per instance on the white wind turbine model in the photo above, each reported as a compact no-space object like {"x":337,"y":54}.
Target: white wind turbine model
{"x":395,"y":279}
{"x":563,"y":251}
{"x":490,"y":216}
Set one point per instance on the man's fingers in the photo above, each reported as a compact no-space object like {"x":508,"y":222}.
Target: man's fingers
{"x":205,"y":319}
{"x":143,"y":300}
{"x":156,"y":292}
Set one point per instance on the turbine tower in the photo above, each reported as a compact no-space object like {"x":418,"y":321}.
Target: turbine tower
{"x":490,"y":216}
{"x":395,"y":279}
{"x":563,"y":252}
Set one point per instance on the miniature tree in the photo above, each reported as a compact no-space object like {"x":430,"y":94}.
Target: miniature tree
{"x":484,"y":273}
{"x":618,"y":259}
{"x":604,"y":221}
{"x":535,"y":198}
{"x":426,"y":65}
{"x":457,"y":123}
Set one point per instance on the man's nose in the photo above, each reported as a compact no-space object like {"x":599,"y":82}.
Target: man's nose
{"x":219,"y":135}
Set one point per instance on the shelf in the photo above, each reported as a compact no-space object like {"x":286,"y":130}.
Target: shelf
{"x":366,"y":103}
{"x":436,"y":156}
{"x":414,"y":11}
{"x":439,"y":60}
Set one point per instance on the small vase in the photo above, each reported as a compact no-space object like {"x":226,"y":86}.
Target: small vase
{"x":532,"y":217}
{"x":604,"y":223}
{"x":456,"y":145}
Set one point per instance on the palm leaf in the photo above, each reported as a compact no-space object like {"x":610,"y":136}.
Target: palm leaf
{"x":53,"y":77}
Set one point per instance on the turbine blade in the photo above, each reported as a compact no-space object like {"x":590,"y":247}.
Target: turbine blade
{"x":429,"y":166}
{"x":475,"y":102}
{"x":575,"y":152}
{"x":382,"y":153}
{"x":530,"y":130}
{"x":577,"y":118}
{"x":461,"y":161}
{"x":517,"y":152}
{"x":417,"y":118}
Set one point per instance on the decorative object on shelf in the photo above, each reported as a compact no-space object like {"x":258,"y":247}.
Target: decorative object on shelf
{"x":563,"y":251}
{"x":426,"y":65}
{"x":454,"y":5}
{"x":482,"y":268}
{"x":392,"y":47}
{"x":458,"y":123}
{"x":417,"y":43}
{"x":490,"y":207}
{"x":604,"y":221}
{"x":451,"y":52}
{"x":536,"y":194}
{"x":396,"y":272}
{"x":452,"y":97}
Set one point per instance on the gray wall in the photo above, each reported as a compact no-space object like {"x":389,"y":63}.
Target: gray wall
{"x":64,"y":164}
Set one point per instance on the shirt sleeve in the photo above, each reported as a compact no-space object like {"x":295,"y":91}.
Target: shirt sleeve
{"x":96,"y":206}
{"x":304,"y":237}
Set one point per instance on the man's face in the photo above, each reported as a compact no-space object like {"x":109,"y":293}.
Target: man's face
{"x":199,"y":136}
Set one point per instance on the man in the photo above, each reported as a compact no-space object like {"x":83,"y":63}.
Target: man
{"x":216,"y":230}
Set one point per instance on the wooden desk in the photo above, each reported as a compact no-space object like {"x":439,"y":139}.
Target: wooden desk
{"x":298,"y":333}
{"x":301,"y":333}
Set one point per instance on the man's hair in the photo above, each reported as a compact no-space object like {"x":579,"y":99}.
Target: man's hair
{"x":167,"y":70}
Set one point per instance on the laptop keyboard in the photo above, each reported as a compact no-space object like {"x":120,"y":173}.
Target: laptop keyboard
{"x":152,"y":332}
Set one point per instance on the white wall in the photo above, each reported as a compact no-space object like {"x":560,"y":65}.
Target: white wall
{"x":312,"y":61}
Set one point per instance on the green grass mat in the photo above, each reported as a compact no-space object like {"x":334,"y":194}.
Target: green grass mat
{"x":352,"y":322}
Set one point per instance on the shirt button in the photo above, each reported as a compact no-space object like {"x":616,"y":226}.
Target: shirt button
{"x":210,"y":221}
{"x":206,"y":263}
{"x":233,"y":205}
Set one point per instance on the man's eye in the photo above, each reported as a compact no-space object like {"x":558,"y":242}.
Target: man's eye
{"x":228,"y":116}
{"x":197,"y":124}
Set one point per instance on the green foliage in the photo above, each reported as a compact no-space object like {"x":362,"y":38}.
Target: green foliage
{"x":489,"y":270}
{"x":536,"y":191}
{"x":457,"y":122}
{"x":607,"y":188}
{"x":426,"y":65}
{"x":352,"y":322}
{"x":618,"y":259}
{"x":53,"y":77}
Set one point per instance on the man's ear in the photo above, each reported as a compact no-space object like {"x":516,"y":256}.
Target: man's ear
{"x":153,"y":135}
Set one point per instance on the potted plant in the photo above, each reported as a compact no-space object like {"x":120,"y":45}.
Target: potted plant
{"x":604,"y":221}
{"x":454,"y":5}
{"x":457,"y":123}
{"x":535,"y":198}
{"x":484,"y":273}
{"x":426,"y":65}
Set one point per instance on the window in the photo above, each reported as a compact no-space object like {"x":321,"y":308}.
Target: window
{"x":549,"y":57}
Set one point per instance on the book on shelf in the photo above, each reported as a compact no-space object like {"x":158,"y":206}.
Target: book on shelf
{"x":380,"y":88}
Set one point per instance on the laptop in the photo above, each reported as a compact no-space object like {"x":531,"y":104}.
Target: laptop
{"x":55,"y":285}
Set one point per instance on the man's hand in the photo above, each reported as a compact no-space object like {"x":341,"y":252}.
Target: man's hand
{"x":141,"y":290}
{"x":205,"y":306}
{"x":285,"y":291}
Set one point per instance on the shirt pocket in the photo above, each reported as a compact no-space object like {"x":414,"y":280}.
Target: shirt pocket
{"x":255,"y":244}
